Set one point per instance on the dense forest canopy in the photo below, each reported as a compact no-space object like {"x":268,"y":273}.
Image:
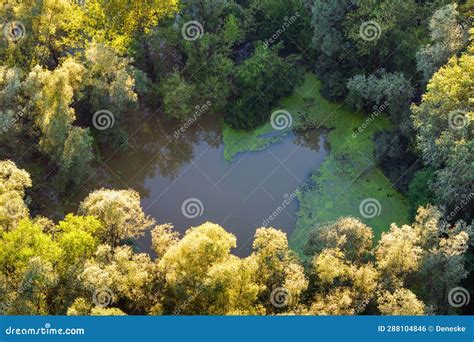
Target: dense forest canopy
{"x":72,"y":71}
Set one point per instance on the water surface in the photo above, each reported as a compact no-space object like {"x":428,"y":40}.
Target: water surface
{"x":239,"y":195}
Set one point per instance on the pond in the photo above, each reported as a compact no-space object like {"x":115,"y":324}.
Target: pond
{"x":185,"y":181}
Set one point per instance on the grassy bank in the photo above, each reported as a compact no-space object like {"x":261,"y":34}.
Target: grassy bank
{"x":348,"y":175}
{"x":238,"y":141}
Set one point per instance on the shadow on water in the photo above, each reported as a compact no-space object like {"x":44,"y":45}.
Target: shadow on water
{"x":240,"y":195}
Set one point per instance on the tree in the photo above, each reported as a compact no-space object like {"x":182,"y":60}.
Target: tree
{"x":197,"y":272}
{"x":52,"y":94}
{"x":13,"y":182}
{"x":348,"y":234}
{"x":78,"y":237}
{"x":344,"y":287}
{"x":118,"y":276}
{"x":420,"y":193}
{"x":401,"y":302}
{"x":288,"y":20}
{"x":398,"y":254}
{"x":444,"y":256}
{"x":43,"y":32}
{"x":443,"y":122}
{"x":162,"y":238}
{"x":447,"y":38}
{"x":354,"y":37}
{"x":391,"y":90}
{"x":108,"y":80}
{"x":21,"y":244}
{"x":279,"y":274}
{"x":178,"y":97}
{"x":119,"y":211}
{"x":30,"y":295}
{"x":116,"y":23}
{"x":76,"y":155}
{"x":259,"y":82}
{"x":10,"y":89}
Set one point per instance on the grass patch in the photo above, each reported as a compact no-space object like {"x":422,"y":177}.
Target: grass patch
{"x":238,"y":141}
{"x":349,"y":174}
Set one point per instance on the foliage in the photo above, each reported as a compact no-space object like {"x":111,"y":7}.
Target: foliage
{"x":13,"y":183}
{"x":119,"y":211}
{"x":287,"y":20}
{"x":380,"y":89}
{"x":173,"y":88}
{"x":443,"y":122}
{"x":260,"y":81}
{"x":108,"y":81}
{"x":402,"y":302}
{"x":338,"y":36}
{"x":347,"y":234}
{"x":447,"y":37}
{"x":420,"y":193}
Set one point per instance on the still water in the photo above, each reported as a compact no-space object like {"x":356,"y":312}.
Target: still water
{"x":239,"y":195}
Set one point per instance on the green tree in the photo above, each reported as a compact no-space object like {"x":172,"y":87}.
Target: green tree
{"x":76,"y":155}
{"x":108,"y":80}
{"x":444,"y":256}
{"x":279,"y":272}
{"x":420,"y":192}
{"x":178,"y":97}
{"x":13,"y":182}
{"x":202,"y":277}
{"x":391,"y":90}
{"x":344,"y":288}
{"x":447,"y":38}
{"x":52,"y":94}
{"x":21,"y":244}
{"x":401,"y":302}
{"x":348,"y":234}
{"x":121,"y":276}
{"x":259,"y":82}
{"x":288,"y":20}
{"x":398,"y":254}
{"x":119,"y":211}
{"x":443,"y":123}
{"x":116,"y":23}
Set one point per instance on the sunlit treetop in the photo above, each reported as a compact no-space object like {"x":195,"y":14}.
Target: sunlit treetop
{"x":51,"y":29}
